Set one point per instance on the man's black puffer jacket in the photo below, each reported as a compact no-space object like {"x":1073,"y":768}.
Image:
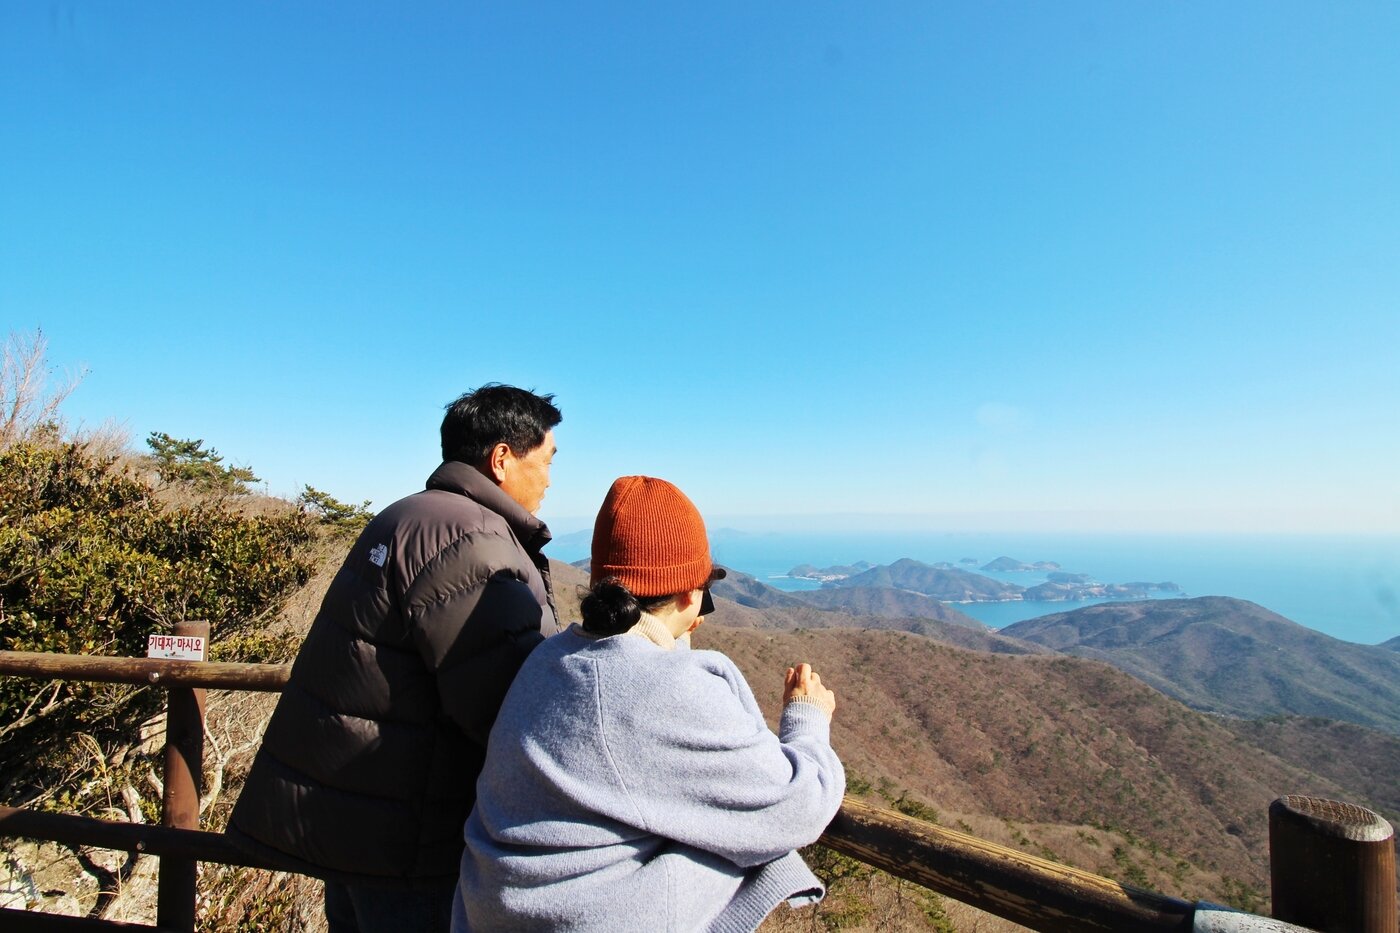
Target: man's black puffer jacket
{"x":369,"y":764}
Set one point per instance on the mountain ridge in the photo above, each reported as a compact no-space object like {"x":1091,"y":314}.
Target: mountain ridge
{"x":1230,"y":656}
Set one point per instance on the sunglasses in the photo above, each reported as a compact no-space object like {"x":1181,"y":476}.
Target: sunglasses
{"x":707,"y":602}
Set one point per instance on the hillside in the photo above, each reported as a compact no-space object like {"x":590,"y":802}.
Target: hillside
{"x":886,"y":602}
{"x":747,"y":590}
{"x":1230,"y":656}
{"x":1353,"y":756}
{"x":1060,"y":756}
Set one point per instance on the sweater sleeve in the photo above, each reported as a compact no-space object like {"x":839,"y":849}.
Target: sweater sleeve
{"x":706,"y":771}
{"x":475,"y":623}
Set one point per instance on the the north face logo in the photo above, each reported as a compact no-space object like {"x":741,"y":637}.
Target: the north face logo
{"x":378,"y":555}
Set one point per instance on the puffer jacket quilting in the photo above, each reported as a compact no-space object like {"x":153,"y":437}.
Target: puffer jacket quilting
{"x":368,"y":767}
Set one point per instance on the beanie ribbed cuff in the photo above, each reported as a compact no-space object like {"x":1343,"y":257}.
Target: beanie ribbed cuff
{"x":661,"y":581}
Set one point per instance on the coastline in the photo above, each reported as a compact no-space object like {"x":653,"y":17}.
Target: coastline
{"x":1345,"y":586}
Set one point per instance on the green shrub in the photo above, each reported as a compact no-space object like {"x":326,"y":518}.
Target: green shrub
{"x":857,"y":785}
{"x":92,"y":562}
{"x":910,"y":806}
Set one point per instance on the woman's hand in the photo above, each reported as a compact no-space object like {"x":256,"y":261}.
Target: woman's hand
{"x":802,"y":681}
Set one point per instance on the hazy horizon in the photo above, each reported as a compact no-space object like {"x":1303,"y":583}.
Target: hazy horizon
{"x":1165,"y":524}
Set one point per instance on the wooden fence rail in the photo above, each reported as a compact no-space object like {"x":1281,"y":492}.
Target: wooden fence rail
{"x":1036,"y":893}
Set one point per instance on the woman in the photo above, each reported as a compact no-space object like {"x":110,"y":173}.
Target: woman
{"x":631,"y":783}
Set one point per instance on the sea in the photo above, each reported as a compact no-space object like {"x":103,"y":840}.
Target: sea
{"x":1346,"y":586}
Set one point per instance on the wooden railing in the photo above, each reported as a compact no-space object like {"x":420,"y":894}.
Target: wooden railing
{"x":1351,"y":887}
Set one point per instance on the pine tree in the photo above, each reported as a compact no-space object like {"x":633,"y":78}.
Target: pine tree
{"x":178,"y":460}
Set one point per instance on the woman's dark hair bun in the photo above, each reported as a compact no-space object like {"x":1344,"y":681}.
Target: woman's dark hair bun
{"x":609,"y":609}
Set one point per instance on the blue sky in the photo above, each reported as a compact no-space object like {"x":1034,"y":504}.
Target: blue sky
{"x":1073,"y":266}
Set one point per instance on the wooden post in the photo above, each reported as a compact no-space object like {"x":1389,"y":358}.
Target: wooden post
{"x":1332,"y":866}
{"x":184,"y":780}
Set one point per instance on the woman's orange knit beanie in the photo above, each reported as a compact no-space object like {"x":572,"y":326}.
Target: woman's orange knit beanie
{"x":651,"y":538}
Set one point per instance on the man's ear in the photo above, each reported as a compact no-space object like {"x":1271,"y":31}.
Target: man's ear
{"x":497,"y":461}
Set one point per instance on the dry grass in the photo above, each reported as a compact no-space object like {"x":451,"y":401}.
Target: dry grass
{"x":1059,"y":757}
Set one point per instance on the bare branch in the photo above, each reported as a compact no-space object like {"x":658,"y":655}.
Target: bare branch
{"x":132,"y":799}
{"x":222,"y":757}
{"x":28,"y":404}
{"x":53,"y":705}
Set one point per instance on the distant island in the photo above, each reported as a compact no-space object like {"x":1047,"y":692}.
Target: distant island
{"x":943,"y":582}
{"x":825,"y":574}
{"x":1012,"y":565}
{"x":843,"y":571}
{"x":1070,"y":592}
{"x":1059,"y":576}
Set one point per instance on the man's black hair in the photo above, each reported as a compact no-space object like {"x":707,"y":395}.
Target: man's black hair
{"x":496,"y":414}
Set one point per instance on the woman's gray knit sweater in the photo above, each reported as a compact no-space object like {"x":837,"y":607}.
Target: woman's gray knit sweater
{"x":627,"y":787}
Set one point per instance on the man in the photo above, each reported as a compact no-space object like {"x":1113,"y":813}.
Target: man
{"x":369,"y":764}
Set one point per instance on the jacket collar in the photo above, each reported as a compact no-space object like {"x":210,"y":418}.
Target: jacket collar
{"x":458,"y":477}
